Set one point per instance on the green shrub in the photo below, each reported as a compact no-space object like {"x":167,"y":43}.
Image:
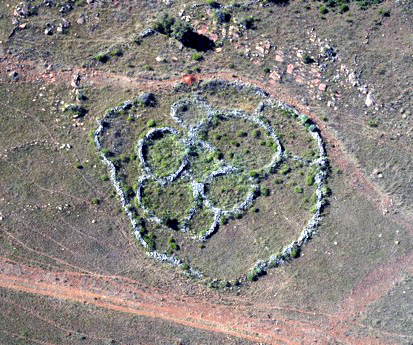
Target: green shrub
{"x":384,"y":13}
{"x":241,"y":134}
{"x":101,"y":57}
{"x":181,"y":30}
{"x":303,"y":119}
{"x":265,"y":191}
{"x":278,"y":181}
{"x":212,"y":3}
{"x":252,"y":277}
{"x":343,"y":8}
{"x":222,"y":16}
{"x":231,"y":65}
{"x":151,"y":123}
{"x":197,"y":56}
{"x":116,"y":52}
{"x":310,"y":179}
{"x":372,"y":123}
{"x":106,"y":152}
{"x":172,"y":245}
{"x":313,"y":199}
{"x":298,"y":189}
{"x":95,"y":201}
{"x":149,"y":238}
{"x":326,"y":191}
{"x":295,"y":252}
{"x":267,"y":70}
{"x":235,"y":282}
{"x":248,"y":22}
{"x":253,"y":173}
{"x":254,"y":274}
{"x":256,"y":133}
{"x":285,"y":169}
{"x":307,"y":59}
{"x":76,"y":110}
{"x":104,"y":178}
{"x":185,"y":266}
{"x":323,"y":10}
{"x":163,"y":24}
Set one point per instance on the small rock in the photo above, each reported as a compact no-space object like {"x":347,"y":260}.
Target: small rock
{"x":322,"y":87}
{"x":148,"y":99}
{"x":14,"y":75}
{"x":279,"y":58}
{"x":369,"y":100}
{"x":260,"y":50}
{"x":49,"y":30}
{"x":160,"y":59}
{"x":275,"y":76}
{"x":65,"y":23}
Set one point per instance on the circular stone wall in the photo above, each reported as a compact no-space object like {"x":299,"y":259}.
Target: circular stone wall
{"x":220,"y":180}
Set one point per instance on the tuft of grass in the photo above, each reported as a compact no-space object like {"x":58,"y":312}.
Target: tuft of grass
{"x":285,"y":169}
{"x":151,"y":123}
{"x":372,"y":123}
{"x":295,"y":252}
{"x":298,"y":189}
{"x":242,"y":134}
{"x":101,"y":57}
{"x":323,"y":10}
{"x":197,"y":56}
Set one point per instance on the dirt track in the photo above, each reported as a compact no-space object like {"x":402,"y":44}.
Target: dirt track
{"x":125,"y":295}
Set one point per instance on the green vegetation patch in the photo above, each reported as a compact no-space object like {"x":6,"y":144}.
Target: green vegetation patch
{"x":228,"y":191}
{"x":165,"y":154}
{"x":203,"y":162}
{"x":240,"y":145}
{"x":171,"y":204}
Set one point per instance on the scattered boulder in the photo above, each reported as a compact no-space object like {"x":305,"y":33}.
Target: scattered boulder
{"x":49,"y":29}
{"x":65,"y":23}
{"x":370,"y":101}
{"x":148,"y":99}
{"x":66,"y":7}
{"x":76,"y":110}
{"x":14,"y":76}
{"x":80,"y":20}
